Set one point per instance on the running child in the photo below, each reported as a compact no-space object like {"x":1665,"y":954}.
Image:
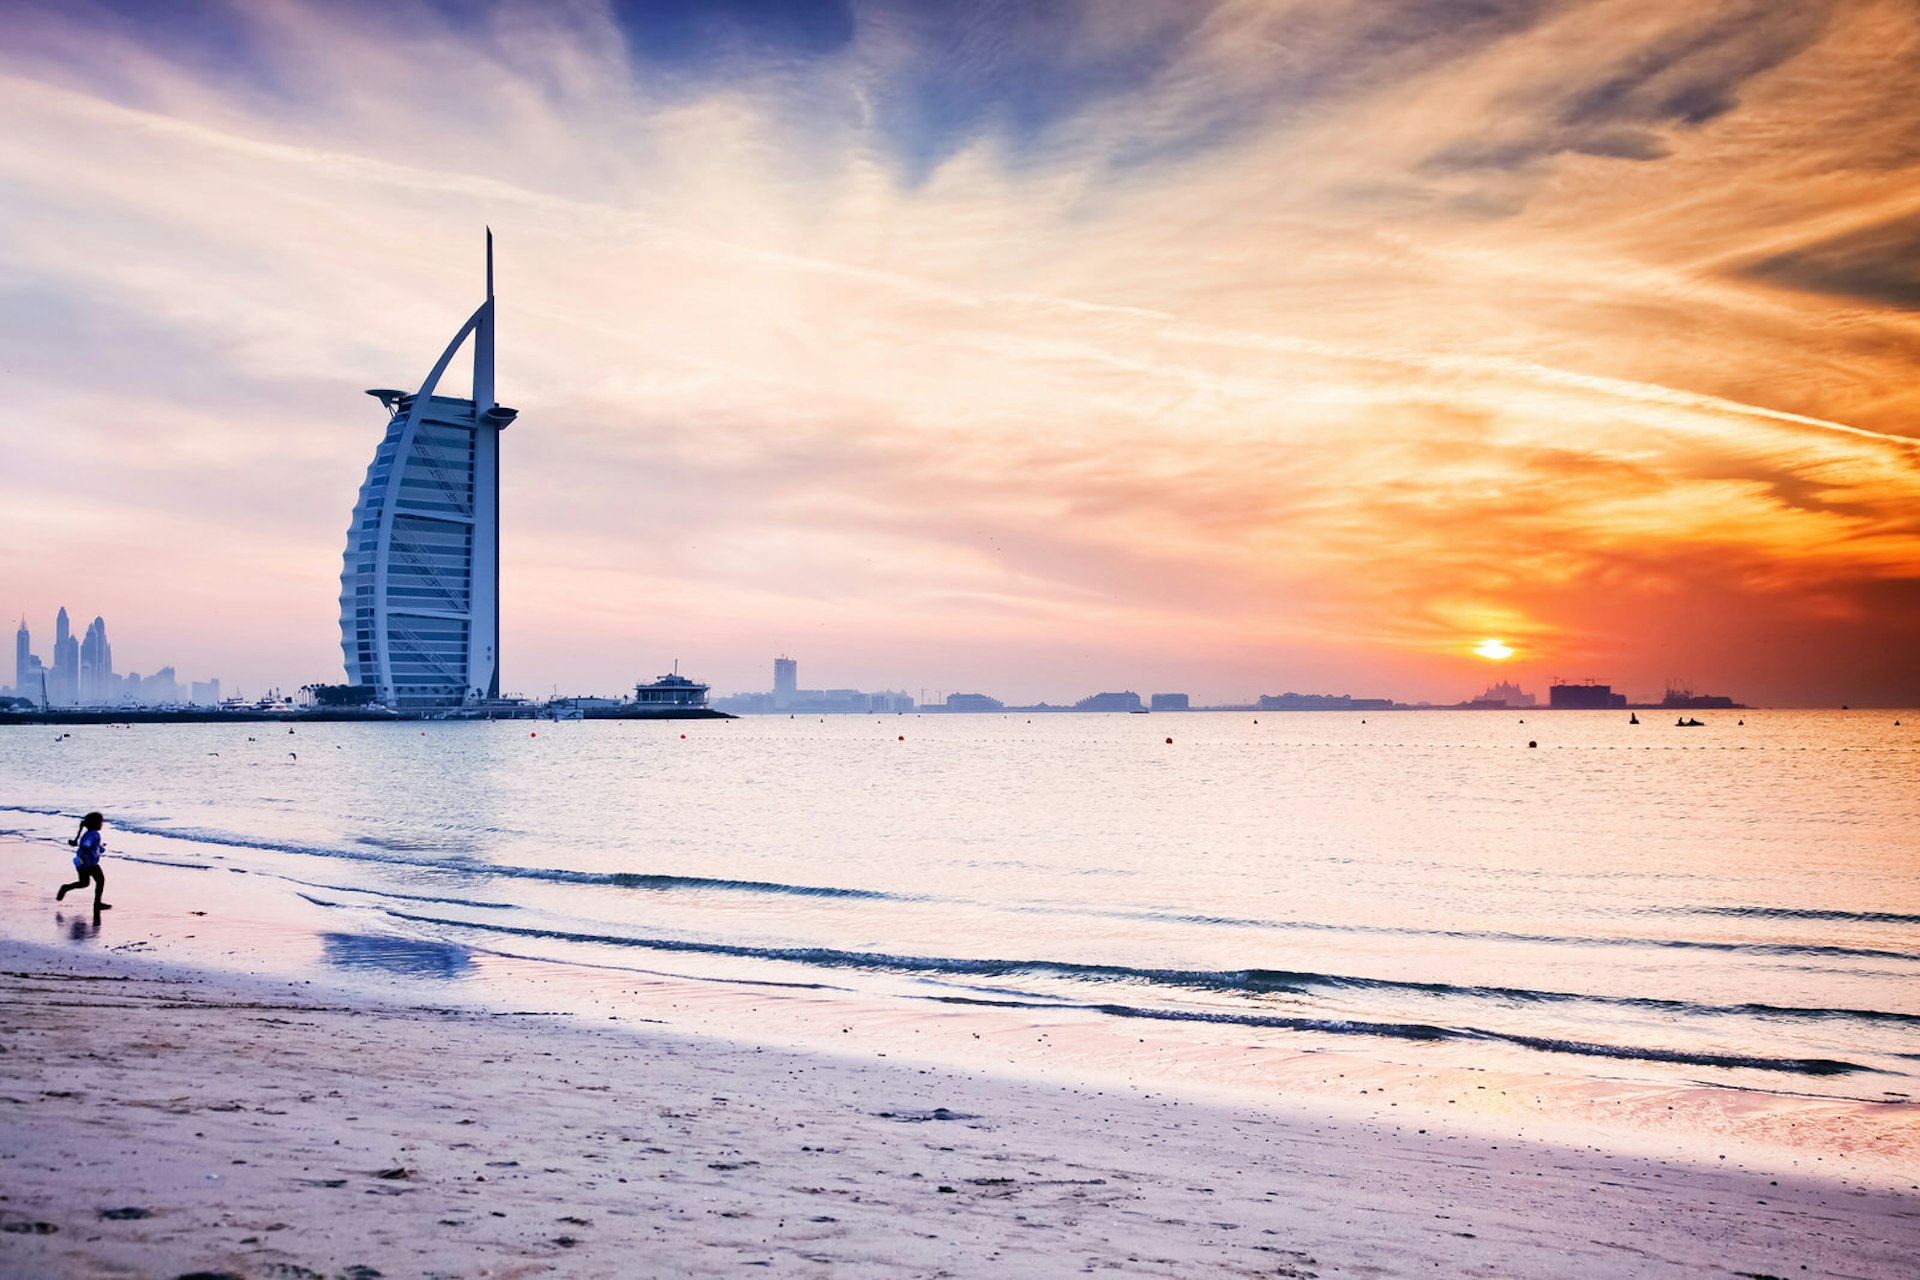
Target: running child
{"x":86,"y":861}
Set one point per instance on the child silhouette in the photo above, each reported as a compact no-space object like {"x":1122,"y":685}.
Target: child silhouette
{"x":86,"y":861}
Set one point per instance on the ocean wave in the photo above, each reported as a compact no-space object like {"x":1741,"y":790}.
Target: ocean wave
{"x":1545,"y":1044}
{"x":1802,"y":913}
{"x":404,"y":897}
{"x":1238,"y":981}
{"x":161,"y":862}
{"x":1302,"y":982}
{"x":1769,"y":948}
{"x":382,"y":893}
{"x":1503,"y":935}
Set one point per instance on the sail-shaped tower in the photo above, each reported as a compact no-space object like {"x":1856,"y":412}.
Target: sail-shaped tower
{"x":420,"y":588}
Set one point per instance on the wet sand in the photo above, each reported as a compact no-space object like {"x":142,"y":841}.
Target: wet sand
{"x":161,"y":1123}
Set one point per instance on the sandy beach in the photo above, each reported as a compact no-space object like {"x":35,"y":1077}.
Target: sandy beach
{"x":166,"y":1123}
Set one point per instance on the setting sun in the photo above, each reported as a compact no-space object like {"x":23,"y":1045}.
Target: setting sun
{"x":1495,"y":650}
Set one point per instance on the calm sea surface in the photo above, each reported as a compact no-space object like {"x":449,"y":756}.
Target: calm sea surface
{"x":1734,"y":906}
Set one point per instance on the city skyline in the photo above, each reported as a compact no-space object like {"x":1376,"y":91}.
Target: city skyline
{"x":785,"y":694}
{"x":1212,"y":348}
{"x":80,"y":672}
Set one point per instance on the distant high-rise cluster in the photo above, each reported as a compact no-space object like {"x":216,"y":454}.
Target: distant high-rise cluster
{"x":82,"y":675}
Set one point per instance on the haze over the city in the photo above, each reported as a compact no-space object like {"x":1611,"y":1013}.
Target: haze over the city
{"x":1034,"y":349}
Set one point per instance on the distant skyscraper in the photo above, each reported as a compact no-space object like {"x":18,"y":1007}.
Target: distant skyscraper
{"x":96,"y":666}
{"x":420,"y":588}
{"x":64,"y":680}
{"x":23,"y":663}
{"x":786,"y":677}
{"x":162,"y":686}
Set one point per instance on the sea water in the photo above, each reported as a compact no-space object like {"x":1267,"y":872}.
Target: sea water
{"x":1562,"y":897}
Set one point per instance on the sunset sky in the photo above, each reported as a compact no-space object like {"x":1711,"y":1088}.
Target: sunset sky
{"x":1027,"y":348}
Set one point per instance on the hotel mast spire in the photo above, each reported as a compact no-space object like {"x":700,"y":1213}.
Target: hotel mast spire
{"x":483,"y":342}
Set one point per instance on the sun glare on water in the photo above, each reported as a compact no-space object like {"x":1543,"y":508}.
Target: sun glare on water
{"x":1494,"y":650}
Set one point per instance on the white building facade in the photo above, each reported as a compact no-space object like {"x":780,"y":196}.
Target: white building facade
{"x":420,"y":584}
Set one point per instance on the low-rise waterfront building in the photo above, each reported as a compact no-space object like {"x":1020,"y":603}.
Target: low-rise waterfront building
{"x":1320,"y":702}
{"x":1589,"y":696}
{"x":1126,"y":700}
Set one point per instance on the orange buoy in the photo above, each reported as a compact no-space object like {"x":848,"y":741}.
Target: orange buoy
{"x":533,"y":735}
{"x":1169,"y":741}
{"x":903,"y":737}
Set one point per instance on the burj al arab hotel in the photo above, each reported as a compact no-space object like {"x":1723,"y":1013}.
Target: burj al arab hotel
{"x":420,"y":589}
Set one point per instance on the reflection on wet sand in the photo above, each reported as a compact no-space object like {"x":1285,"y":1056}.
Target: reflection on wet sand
{"x":404,"y":956}
{"x":78,"y":928}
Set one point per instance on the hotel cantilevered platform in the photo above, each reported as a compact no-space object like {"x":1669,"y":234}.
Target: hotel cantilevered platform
{"x":420,"y":587}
